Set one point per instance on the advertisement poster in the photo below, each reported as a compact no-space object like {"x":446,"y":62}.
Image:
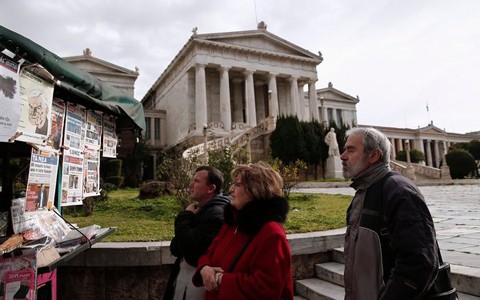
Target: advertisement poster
{"x":91,"y":171}
{"x":36,"y":96}
{"x":93,"y":136}
{"x":17,"y":276}
{"x":75,"y":123}
{"x":58,"y":116}
{"x":72,"y":177}
{"x":9,"y":97}
{"x":42,"y":180}
{"x":109,"y":137}
{"x":20,"y":284}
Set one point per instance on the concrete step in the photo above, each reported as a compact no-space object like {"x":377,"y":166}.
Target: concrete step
{"x":337,"y":255}
{"x":329,"y":281}
{"x":465,"y":279}
{"x":331,"y":272}
{"x":462,"y":296}
{"x":317,"y":289}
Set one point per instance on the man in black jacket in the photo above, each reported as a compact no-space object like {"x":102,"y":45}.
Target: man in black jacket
{"x":195,"y":228}
{"x":390,"y":245}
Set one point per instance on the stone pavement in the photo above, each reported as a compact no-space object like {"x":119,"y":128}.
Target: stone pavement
{"x":456,"y":212}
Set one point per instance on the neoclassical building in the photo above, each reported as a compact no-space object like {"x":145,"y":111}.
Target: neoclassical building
{"x":232,"y":81}
{"x":229,"y":83}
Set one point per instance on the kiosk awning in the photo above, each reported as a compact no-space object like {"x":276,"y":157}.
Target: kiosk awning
{"x":87,"y":89}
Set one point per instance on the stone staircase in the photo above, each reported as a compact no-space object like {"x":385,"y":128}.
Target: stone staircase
{"x":328,"y":283}
{"x":238,"y":139}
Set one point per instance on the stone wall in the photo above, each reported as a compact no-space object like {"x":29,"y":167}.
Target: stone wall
{"x":141,"y":270}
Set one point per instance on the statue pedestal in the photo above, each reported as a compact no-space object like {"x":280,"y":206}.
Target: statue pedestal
{"x":333,"y":168}
{"x":445,"y":171}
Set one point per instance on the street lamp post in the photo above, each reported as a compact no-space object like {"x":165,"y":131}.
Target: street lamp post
{"x":205,"y":141}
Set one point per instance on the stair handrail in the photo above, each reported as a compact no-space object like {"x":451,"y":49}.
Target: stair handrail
{"x":237,"y":139}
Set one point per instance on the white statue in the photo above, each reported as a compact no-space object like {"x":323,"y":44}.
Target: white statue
{"x":331,"y":141}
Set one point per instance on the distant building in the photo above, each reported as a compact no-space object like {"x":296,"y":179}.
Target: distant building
{"x":232,"y":81}
{"x":118,"y":77}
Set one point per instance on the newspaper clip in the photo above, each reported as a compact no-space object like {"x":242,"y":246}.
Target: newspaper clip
{"x":65,"y":147}
{"x":34,"y":146}
{"x":15,"y":136}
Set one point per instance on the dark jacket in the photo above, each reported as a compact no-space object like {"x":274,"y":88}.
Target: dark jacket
{"x":264,"y":269}
{"x":399,"y":261}
{"x":195,"y":232}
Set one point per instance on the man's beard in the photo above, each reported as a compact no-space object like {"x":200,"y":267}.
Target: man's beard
{"x":353,"y":171}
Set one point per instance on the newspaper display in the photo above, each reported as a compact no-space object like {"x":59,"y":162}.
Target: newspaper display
{"x":74,"y":141}
{"x":109,"y":137}
{"x":42,"y":179}
{"x":93,"y":134}
{"x":18,"y":276}
{"x":91,"y":169}
{"x":72,"y":177}
{"x":58,"y":115}
{"x":9,"y":97}
{"x":75,"y":126}
{"x":36,"y":95}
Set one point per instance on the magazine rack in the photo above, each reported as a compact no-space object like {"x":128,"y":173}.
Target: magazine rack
{"x":47,"y":275}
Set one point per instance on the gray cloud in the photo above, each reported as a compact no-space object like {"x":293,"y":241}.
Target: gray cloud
{"x":396,"y":55}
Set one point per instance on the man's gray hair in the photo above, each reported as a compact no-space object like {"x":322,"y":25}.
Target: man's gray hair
{"x":373,"y":139}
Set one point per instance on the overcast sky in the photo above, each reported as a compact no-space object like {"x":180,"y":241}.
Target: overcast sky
{"x":397,"y":56}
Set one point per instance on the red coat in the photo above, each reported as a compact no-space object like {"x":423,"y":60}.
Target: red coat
{"x":264,"y":271}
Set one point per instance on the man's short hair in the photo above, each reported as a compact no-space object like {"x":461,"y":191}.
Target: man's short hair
{"x":214,"y":177}
{"x":373,"y":139}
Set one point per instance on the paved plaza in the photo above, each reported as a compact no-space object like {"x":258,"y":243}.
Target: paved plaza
{"x":456,"y":212}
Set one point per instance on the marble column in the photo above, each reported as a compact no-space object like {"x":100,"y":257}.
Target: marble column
{"x":437,"y":154}
{"x":400,"y":144}
{"x":323,"y":115}
{"x":225,"y":109}
{"x":302,"y":116}
{"x":429,"y":153}
{"x":200,"y":98}
{"x":250,"y":99}
{"x":293,"y":96}
{"x":393,"y":153}
{"x":334,"y":115}
{"x":272,"y":87}
{"x":312,"y":102}
{"x":237,"y":101}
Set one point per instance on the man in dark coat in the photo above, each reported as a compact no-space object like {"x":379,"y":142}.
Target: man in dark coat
{"x":390,"y":245}
{"x":195,"y":228}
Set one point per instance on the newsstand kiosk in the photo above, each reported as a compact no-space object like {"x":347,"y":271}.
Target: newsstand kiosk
{"x":56,"y":123}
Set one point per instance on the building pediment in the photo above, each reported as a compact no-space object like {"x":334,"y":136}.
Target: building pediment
{"x":95,"y":65}
{"x":258,"y":40}
{"x":330,"y":93}
{"x":431,"y":129}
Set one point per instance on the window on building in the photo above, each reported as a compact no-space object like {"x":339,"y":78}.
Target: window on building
{"x":148,"y":129}
{"x":157,"y":129}
{"x":339,"y":117}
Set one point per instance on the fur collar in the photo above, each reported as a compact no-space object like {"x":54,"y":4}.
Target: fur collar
{"x":256,"y":213}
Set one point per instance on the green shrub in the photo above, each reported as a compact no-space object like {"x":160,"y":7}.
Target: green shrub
{"x":416,"y":156}
{"x":461,"y":163}
{"x":115,"y":180}
{"x":113,"y":167}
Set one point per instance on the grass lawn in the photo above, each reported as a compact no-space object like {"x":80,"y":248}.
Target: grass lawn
{"x":152,"y":220}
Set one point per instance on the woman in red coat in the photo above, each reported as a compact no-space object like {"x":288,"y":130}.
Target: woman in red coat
{"x":250,"y":257}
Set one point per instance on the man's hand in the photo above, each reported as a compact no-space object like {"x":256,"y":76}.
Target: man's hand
{"x":193,"y":208}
